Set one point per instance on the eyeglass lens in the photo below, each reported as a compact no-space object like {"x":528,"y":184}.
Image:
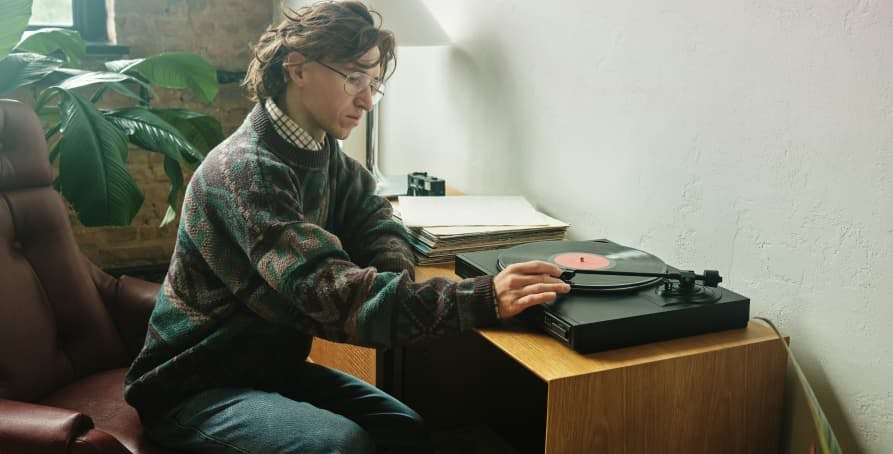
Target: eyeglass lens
{"x":356,"y":82}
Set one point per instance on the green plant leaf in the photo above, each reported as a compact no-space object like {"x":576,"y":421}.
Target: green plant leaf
{"x":88,"y":78}
{"x":172,"y":169}
{"x":93,"y":175}
{"x":84,"y":79}
{"x":49,"y":116}
{"x":21,"y":69}
{"x":52,"y":131}
{"x":201,"y":130}
{"x":54,"y":153}
{"x":151,"y":132}
{"x":117,"y":86}
{"x":13,"y":21}
{"x":48,"y":40}
{"x":174,"y":70}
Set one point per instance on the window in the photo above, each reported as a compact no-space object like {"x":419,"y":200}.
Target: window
{"x":52,"y":13}
{"x":88,"y":17}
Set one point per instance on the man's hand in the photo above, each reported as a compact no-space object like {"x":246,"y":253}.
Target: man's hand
{"x":521,"y":285}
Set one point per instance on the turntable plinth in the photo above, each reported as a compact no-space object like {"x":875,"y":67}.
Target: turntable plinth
{"x":717,"y":392}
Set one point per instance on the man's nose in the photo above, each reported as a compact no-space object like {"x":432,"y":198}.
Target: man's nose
{"x":364,"y":99}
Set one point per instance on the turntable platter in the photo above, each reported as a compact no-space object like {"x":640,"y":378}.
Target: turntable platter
{"x":590,"y":255}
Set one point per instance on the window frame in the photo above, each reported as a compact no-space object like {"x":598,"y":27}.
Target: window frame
{"x":89,"y":19}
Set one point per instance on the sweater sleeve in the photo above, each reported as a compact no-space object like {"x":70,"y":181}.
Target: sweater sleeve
{"x":368,"y":230}
{"x":306,"y":279}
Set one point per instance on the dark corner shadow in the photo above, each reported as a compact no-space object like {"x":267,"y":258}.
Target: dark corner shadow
{"x":797,"y":426}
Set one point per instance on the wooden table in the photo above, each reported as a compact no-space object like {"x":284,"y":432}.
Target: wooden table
{"x":712,"y":393}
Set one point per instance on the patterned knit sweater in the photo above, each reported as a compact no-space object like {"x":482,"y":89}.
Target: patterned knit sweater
{"x":276,"y":245}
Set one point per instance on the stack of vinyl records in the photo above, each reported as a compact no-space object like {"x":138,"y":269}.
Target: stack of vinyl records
{"x":441,"y":227}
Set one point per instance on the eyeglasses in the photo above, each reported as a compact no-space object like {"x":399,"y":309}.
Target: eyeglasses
{"x":357,"y":82}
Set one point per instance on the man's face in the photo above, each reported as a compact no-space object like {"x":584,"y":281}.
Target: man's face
{"x":324,"y":104}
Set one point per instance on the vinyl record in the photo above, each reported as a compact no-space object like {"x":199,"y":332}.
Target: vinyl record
{"x":590,"y":255}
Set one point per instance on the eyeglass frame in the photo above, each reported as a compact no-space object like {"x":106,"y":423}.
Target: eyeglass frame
{"x":377,"y":92}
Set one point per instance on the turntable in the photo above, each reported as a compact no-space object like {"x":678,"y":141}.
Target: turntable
{"x":619,"y":296}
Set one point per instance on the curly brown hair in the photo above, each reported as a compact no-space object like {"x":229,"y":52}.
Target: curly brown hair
{"x":340,"y":31}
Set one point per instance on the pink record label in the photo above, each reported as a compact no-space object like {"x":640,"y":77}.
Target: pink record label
{"x":581,"y":261}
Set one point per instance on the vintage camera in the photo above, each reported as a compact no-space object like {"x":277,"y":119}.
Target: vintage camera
{"x":420,"y":183}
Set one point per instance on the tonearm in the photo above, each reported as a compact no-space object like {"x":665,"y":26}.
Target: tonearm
{"x":687,"y":279}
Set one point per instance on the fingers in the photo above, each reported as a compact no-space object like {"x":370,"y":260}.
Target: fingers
{"x":526,"y":284}
{"x":524,"y":280}
{"x":513,"y":306}
{"x":556,"y":287}
{"x":534,"y":267}
{"x":534,"y":299}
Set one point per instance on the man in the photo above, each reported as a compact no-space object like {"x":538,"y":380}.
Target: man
{"x":281,"y":239}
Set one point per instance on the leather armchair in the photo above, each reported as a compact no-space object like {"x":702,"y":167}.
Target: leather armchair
{"x":68,"y":330}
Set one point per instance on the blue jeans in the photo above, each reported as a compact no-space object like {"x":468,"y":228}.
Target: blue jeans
{"x":325,"y":411}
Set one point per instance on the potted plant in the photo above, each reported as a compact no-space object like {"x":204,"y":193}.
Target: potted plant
{"x":90,"y":142}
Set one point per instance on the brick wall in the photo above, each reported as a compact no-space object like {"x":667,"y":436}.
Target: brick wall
{"x":219,"y":30}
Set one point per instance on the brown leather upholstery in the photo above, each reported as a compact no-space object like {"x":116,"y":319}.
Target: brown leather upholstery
{"x":67,"y":329}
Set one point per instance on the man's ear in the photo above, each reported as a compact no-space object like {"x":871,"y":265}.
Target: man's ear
{"x":294,"y":66}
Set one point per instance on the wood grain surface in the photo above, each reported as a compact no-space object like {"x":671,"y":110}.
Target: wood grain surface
{"x":712,"y":393}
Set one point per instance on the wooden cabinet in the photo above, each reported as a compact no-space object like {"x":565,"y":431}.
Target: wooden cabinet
{"x":717,"y":392}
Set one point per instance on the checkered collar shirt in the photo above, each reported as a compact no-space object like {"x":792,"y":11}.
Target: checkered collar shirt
{"x":289,"y":130}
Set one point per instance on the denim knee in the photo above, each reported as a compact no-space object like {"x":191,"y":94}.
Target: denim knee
{"x":343,"y":437}
{"x":404,"y":432}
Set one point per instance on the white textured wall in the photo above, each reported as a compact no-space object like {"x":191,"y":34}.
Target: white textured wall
{"x":755,"y":137}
